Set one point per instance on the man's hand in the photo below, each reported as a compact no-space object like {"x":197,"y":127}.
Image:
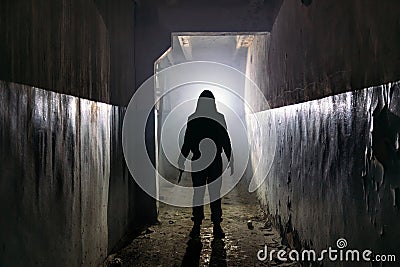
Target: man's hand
{"x":180,"y":176}
{"x":181,"y":166}
{"x":181,"y":163}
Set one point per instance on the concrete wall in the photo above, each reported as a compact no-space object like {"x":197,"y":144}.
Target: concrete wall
{"x":329,"y":47}
{"x":66,"y":46}
{"x":55,"y":171}
{"x":66,"y":194}
{"x":119,"y":216}
{"x":335,"y":170}
{"x":256,"y":71}
{"x":129,"y":206}
{"x":336,"y":160}
{"x":86,"y":49}
{"x":119,"y":18}
{"x":125,"y":211}
{"x":61,"y":46}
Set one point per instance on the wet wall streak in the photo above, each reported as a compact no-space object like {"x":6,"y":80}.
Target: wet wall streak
{"x":62,"y":46}
{"x":54,"y":178}
{"x":329,"y":47}
{"x":119,"y":19}
{"x":336,"y":169}
{"x":122,"y":208}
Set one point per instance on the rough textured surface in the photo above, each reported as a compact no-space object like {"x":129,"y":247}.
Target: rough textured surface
{"x":66,"y":196}
{"x":335,"y":171}
{"x":330,"y":47}
{"x":119,"y":18}
{"x":86,"y":49}
{"x":127,"y":210}
{"x":168,"y":244}
{"x":121,"y":203}
{"x":336,"y":164}
{"x":55,"y":167}
{"x":58,"y":45}
{"x":118,"y":206}
{"x":256,"y":69}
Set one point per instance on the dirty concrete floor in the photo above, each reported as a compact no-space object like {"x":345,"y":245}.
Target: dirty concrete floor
{"x":168,"y":243}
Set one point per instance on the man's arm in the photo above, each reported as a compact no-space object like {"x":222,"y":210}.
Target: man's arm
{"x":226,"y":145}
{"x":226,"y":141}
{"x":186,"y":141}
{"x":185,"y":148}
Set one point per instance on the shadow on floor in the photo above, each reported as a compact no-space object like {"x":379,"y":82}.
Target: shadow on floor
{"x":193,"y":253}
{"x":218,"y":253}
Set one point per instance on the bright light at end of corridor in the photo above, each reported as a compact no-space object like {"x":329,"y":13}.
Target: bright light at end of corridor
{"x":178,"y":96}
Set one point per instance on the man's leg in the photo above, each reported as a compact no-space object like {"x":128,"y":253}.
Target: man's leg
{"x":215,"y":195}
{"x":198,"y":181}
{"x":215,"y":205}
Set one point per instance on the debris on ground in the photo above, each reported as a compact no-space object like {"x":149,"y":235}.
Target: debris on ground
{"x":168,"y":244}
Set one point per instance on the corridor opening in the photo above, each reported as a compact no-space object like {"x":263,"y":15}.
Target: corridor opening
{"x":237,"y":51}
{"x":244,"y":222}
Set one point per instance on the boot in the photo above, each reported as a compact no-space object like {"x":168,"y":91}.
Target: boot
{"x":218,"y":232}
{"x":195,"y":232}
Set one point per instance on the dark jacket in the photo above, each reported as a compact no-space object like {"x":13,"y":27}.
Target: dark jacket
{"x":200,"y":127}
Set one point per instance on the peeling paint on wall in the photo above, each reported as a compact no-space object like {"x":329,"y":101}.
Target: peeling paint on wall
{"x":336,"y":169}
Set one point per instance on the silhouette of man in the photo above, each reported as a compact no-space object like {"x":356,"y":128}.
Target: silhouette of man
{"x":206,"y":123}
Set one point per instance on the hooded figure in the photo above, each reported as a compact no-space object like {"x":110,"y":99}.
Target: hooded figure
{"x":206,"y":124}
